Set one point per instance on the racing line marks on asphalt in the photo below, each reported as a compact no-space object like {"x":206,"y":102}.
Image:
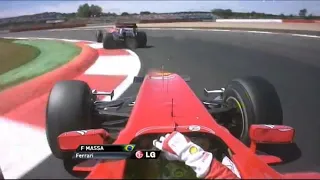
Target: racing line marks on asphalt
{"x":23,"y":129}
{"x":305,"y":35}
{"x":261,"y":32}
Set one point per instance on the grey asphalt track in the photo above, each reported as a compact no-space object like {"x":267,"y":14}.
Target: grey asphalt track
{"x":212,"y":59}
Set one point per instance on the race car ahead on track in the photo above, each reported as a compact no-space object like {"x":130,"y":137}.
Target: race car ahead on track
{"x":123,"y":35}
{"x":229,"y":123}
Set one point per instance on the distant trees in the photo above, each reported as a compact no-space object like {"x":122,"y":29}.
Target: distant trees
{"x":145,"y":13}
{"x":95,"y":10}
{"x":124,"y":14}
{"x":86,"y":10}
{"x":224,"y":13}
{"x":109,"y":14}
{"x":229,"y":14}
{"x":89,"y":11}
{"x":310,"y":16}
{"x":83,"y":10}
{"x":303,"y":12}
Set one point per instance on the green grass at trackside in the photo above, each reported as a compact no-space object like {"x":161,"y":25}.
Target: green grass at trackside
{"x":52,"y":55}
{"x":13,"y":55}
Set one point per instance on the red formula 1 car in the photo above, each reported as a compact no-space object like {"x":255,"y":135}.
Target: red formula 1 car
{"x":246,"y":112}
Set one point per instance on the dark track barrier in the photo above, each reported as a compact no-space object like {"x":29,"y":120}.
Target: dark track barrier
{"x":47,"y":26}
{"x":145,"y":21}
{"x":297,"y":21}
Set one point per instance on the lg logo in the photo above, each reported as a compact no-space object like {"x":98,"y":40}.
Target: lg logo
{"x":139,"y":154}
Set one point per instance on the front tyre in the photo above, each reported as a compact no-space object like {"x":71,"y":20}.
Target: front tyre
{"x":69,"y":108}
{"x":255,"y":101}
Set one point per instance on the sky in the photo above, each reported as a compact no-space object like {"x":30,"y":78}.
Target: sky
{"x":27,"y":7}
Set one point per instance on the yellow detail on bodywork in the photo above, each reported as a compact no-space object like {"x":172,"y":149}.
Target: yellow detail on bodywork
{"x":163,"y":73}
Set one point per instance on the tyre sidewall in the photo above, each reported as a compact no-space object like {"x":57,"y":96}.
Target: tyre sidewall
{"x":68,"y":109}
{"x":236,"y":91}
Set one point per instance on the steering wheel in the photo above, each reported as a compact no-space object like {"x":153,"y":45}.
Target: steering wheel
{"x":174,"y":169}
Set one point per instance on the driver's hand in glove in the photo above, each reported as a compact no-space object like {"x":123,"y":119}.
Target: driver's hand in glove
{"x":178,"y":147}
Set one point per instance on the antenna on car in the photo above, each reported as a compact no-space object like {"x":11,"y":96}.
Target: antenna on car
{"x":172,"y":115}
{"x":175,"y":126}
{"x":162,"y":74}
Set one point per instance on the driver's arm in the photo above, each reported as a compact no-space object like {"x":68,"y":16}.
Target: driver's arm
{"x":178,"y":147}
{"x":219,"y":171}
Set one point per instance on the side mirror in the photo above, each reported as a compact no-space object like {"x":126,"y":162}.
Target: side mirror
{"x":70,"y":141}
{"x":271,"y":134}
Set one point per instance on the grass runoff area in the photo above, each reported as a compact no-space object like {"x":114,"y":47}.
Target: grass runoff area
{"x":22,"y":60}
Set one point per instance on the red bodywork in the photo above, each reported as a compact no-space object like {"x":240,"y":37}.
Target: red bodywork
{"x":121,"y":25}
{"x":159,"y":96}
{"x":113,"y":29}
